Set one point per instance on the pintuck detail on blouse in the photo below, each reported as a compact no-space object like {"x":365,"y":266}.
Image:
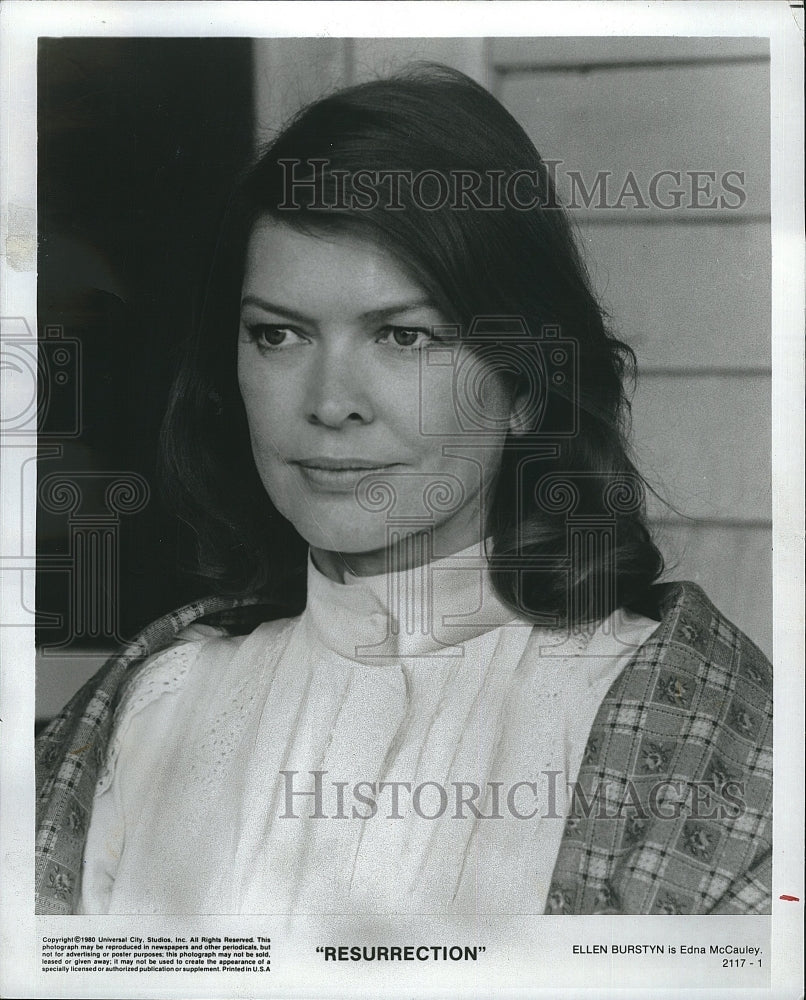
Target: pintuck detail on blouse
{"x":690,"y":714}
{"x":422,"y":680}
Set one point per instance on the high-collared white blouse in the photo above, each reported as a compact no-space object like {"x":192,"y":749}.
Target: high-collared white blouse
{"x":404,"y":746}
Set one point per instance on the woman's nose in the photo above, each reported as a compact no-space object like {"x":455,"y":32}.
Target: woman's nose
{"x":337,"y":394}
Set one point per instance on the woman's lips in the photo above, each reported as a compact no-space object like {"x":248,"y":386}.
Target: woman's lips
{"x":339,"y":475}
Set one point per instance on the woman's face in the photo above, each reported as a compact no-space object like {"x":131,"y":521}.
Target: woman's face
{"x":352,"y":416}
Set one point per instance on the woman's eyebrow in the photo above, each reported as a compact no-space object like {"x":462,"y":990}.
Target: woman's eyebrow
{"x":256,"y":300}
{"x":399,"y":307}
{"x":383,"y":312}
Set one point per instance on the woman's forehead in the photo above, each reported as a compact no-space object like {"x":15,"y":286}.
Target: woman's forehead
{"x":326,"y":266}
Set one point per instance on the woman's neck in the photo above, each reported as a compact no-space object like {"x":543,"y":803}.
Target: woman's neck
{"x":409,"y":552}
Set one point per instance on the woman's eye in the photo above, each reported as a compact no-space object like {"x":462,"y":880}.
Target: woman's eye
{"x":406,"y":337}
{"x":270,"y":337}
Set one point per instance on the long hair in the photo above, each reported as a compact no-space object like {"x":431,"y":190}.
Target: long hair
{"x":431,"y":166}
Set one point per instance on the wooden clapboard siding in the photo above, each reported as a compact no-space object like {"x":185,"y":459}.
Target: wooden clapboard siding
{"x":686,"y":294}
{"x":689,"y":289}
{"x":582,"y":54}
{"x":678,"y":115}
{"x":704,"y":439}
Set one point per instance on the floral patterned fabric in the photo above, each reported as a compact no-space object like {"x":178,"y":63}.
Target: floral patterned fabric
{"x":672,"y":811}
{"x":681,"y":754}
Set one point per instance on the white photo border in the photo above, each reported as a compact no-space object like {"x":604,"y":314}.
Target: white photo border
{"x":22,"y":23}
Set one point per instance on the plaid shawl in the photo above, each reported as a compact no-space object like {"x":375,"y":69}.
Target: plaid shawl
{"x":672,"y":810}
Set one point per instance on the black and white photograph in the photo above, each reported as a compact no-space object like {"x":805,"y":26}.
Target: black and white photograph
{"x":405,"y":454}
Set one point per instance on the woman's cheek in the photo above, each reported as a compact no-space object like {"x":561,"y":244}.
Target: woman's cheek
{"x":276,"y":476}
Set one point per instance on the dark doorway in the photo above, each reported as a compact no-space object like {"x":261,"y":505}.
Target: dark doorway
{"x":139,"y":143}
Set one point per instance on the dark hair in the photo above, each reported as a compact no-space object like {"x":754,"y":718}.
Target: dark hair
{"x":567,"y":515}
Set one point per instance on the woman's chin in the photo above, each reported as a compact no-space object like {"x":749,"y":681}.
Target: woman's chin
{"x":353,"y":540}
{"x":364,"y":553}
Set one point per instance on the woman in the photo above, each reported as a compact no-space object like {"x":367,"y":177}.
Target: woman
{"x":442,"y":679}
